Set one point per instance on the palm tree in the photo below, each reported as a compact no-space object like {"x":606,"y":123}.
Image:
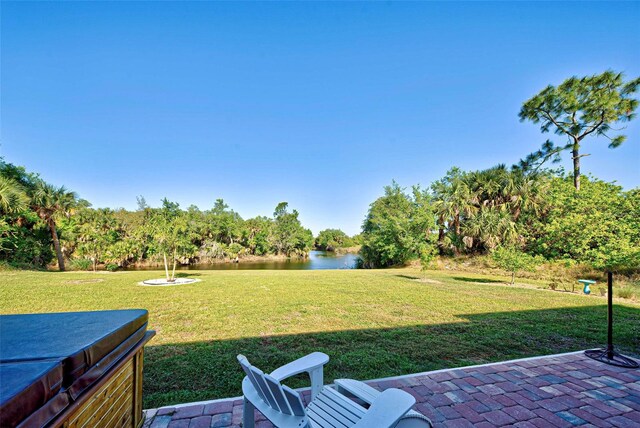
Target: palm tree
{"x":454,"y":201}
{"x":13,"y":198}
{"x":490,"y":228}
{"x":526,"y":193}
{"x":50,"y":202}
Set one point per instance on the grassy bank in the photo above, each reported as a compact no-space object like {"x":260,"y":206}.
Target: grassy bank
{"x":371,"y":323}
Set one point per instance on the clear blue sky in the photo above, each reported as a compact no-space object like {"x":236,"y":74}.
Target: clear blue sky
{"x":317,"y":104}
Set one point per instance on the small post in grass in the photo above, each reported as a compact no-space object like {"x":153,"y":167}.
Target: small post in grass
{"x":609,"y":355}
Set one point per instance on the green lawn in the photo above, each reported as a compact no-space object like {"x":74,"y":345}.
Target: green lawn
{"x":371,"y":323}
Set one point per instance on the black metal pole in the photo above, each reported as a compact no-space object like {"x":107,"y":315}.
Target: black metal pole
{"x":608,"y":355}
{"x":610,"y":315}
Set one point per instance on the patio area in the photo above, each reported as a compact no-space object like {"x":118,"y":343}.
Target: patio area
{"x":560,"y":391}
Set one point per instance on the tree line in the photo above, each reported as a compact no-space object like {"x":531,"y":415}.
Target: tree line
{"x":40,"y":222}
{"x":498,"y":209}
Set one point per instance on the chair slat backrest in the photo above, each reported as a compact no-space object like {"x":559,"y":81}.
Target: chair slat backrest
{"x":293,"y":398}
{"x":279,"y":397}
{"x":278,"y":394}
{"x":259,"y":377}
{"x":246,"y":366}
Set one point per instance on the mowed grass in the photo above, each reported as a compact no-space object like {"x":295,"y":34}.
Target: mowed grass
{"x":371,"y":323}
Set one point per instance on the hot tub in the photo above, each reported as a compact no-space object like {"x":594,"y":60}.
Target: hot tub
{"x":72,"y":369}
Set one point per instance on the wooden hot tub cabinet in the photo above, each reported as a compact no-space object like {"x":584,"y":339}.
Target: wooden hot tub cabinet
{"x":71,"y":370}
{"x":115,"y":400}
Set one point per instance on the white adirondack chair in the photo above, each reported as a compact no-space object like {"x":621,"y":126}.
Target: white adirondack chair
{"x":328,"y":408}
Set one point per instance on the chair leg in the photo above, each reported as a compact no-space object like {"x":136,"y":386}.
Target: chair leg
{"x":248,"y":414}
{"x":317,"y":381}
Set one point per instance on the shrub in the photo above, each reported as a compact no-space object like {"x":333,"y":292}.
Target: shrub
{"x":397,"y":227}
{"x":234,"y":250}
{"x":625,"y":292}
{"x":112,"y":267}
{"x":80,"y":264}
{"x":6,"y":266}
{"x":513,"y":260}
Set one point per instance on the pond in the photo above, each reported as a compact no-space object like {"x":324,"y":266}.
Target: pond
{"x":317,"y":260}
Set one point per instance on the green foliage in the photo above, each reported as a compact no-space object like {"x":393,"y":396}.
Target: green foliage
{"x":598,"y":226}
{"x":625,"y":292}
{"x":168,"y":228}
{"x":428,"y":254}
{"x":54,"y":221}
{"x":13,"y":197}
{"x":331,"y":239}
{"x":52,"y":203}
{"x":111,"y":267}
{"x":233,"y":250}
{"x":25,"y":240}
{"x":479,"y":210}
{"x":94,"y":232}
{"x":81,"y":264}
{"x":290,"y":238}
{"x":514,"y":260}
{"x":542,"y":214}
{"x":257,"y":235}
{"x":577,"y":108}
{"x":397,"y":228}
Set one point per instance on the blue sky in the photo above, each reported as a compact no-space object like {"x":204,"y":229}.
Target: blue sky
{"x":317,"y":104}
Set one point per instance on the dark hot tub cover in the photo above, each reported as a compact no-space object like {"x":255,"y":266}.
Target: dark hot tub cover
{"x":26,"y":387}
{"x":78,"y":339}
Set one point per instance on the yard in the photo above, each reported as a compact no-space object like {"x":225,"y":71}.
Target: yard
{"x":372,"y":323}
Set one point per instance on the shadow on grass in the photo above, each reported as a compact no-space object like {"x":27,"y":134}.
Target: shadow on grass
{"x":187,"y":275}
{"x":478,"y":280}
{"x":408,"y":276}
{"x":186,"y":372}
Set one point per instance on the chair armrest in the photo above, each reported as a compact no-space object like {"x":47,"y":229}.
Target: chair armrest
{"x":387,"y":409}
{"x":312,"y":364}
{"x":358,"y":389}
{"x":308,"y":363}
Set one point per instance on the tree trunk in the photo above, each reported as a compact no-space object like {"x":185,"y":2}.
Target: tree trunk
{"x":56,"y":243}
{"x":173,"y":273}
{"x":456,"y":223}
{"x":166,"y":266}
{"x":441,"y":233}
{"x":513,"y":278}
{"x":576,"y":164}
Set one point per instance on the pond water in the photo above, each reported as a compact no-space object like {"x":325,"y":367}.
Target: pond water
{"x":317,"y":260}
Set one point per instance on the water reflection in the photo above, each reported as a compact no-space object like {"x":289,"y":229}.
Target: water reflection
{"x":317,"y":260}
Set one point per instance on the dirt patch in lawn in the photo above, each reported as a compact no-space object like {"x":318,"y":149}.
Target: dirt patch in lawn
{"x":84,"y":281}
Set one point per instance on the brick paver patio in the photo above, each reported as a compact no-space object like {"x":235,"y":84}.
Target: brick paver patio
{"x":556,"y":391}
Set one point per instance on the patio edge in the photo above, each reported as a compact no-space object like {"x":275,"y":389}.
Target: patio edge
{"x":218,"y":400}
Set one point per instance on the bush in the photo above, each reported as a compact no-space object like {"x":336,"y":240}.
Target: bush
{"x":332,"y":239}
{"x":112,"y":267}
{"x":234,"y":250}
{"x":625,"y":292}
{"x":397,"y":228}
{"x":597,"y":226}
{"x":513,"y":260}
{"x":5,"y":266}
{"x":80,"y":264}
